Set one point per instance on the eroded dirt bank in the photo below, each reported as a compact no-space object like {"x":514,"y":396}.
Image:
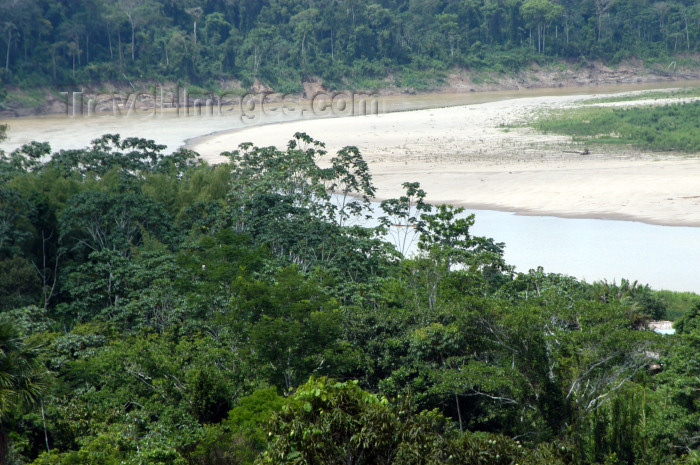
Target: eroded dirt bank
{"x":144,"y":95}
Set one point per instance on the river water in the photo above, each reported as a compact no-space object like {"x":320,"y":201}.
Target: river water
{"x":666,"y":257}
{"x":174,"y":128}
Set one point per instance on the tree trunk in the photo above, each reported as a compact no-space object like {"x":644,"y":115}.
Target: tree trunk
{"x":459,"y":413}
{"x":256,"y":61}
{"x":121,"y":55}
{"x":9,"y":43}
{"x":133,"y":42}
{"x":303,"y":53}
{"x":46,"y":433}
{"x":4,"y":444}
{"x":111,"y":52}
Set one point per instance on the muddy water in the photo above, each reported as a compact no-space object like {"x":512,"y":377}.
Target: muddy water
{"x":173,"y":128}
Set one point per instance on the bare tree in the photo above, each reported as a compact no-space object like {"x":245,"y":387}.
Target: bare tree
{"x":8,"y":26}
{"x":196,"y":14}
{"x":136,"y":12}
{"x":9,"y":29}
{"x":662,"y":11}
{"x":602,"y":7}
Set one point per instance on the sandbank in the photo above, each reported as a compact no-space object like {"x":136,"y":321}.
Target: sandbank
{"x":465,"y":155}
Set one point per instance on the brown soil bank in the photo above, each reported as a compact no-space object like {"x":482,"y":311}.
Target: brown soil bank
{"x":144,"y":95}
{"x":590,"y":74}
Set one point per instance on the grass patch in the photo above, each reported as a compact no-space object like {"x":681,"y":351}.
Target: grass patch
{"x":485,"y":78}
{"x":658,"y":128}
{"x":678,"y":303}
{"x":26,"y":98}
{"x":420,"y":79}
{"x":657,"y":94}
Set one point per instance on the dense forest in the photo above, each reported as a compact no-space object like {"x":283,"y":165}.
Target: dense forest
{"x":158,"y":310}
{"x":346,"y":43}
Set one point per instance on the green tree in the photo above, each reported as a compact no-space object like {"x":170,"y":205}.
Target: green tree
{"x":330,"y":422}
{"x":285,"y":199}
{"x":690,"y":322}
{"x":403,"y":216}
{"x":350,"y":179}
{"x":541,"y":13}
{"x":19,"y":284}
{"x":21,"y":379}
{"x":15,"y":227}
{"x":96,"y":221}
{"x":304,"y":320}
{"x":241,"y":437}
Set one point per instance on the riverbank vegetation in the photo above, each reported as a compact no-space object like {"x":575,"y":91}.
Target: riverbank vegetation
{"x":681,"y":93}
{"x":670,"y":127}
{"x":347,"y":44}
{"x":154,"y":309}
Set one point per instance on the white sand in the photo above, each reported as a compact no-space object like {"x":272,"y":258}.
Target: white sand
{"x":461,"y":156}
{"x":458,"y":154}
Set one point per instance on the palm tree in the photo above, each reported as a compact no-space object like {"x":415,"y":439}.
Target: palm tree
{"x":20,"y":378}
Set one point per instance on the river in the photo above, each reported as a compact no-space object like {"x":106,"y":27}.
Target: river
{"x":174,"y":129}
{"x":666,"y":257}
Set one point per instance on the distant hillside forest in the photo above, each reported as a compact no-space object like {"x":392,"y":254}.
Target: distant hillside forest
{"x":344,"y":42}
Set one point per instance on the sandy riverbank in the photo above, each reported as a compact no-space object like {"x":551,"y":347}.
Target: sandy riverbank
{"x":462,"y":155}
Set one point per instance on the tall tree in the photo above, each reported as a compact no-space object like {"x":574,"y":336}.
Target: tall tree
{"x":541,"y":13}
{"x":21,"y":381}
{"x":137,"y":13}
{"x":601,"y":8}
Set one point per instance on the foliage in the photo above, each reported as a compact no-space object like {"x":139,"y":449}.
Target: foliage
{"x":656,"y":128}
{"x":365,"y":44}
{"x":19,"y":372}
{"x":640,"y":298}
{"x":241,"y":437}
{"x":332,"y":422}
{"x":21,"y":382}
{"x":157,"y":310}
{"x":690,"y":322}
{"x":677,"y":303}
{"x":645,"y":95}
